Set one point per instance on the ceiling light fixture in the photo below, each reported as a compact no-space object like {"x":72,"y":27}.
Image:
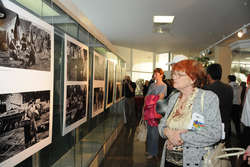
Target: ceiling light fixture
{"x":242,"y":32}
{"x":163,"y":19}
{"x":244,"y":28}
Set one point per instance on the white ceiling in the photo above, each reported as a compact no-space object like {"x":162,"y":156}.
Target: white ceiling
{"x":198,"y":23}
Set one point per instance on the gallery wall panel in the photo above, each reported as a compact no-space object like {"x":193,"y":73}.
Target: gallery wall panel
{"x":99,"y":71}
{"x":75,"y":84}
{"x":26,"y":92}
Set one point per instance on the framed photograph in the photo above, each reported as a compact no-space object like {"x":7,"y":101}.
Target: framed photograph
{"x":26,"y":92}
{"x":123,"y":76}
{"x":110,"y":86}
{"x":98,"y":101}
{"x":75,"y":84}
{"x":76,"y":104}
{"x":118,"y":91}
{"x":76,"y":60}
{"x":118,"y":83}
{"x":99,"y":72}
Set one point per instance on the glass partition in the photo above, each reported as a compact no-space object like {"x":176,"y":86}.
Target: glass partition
{"x":79,"y":147}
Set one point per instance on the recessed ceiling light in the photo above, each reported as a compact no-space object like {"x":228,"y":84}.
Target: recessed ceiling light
{"x":163,"y":19}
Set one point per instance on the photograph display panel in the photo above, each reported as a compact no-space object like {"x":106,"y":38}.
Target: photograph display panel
{"x":118,"y":91}
{"x":110,"y":86}
{"x":98,"y":101}
{"x":118,"y":83}
{"x":75,"y":84}
{"x":23,"y":43}
{"x":99,"y":67}
{"x":26,"y":92}
{"x":77,"y":58}
{"x":76,"y":103}
{"x":123,"y":76}
{"x":98,"y":84}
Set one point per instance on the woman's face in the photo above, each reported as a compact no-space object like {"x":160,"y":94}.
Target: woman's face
{"x":181,"y":80}
{"x":157,"y":76}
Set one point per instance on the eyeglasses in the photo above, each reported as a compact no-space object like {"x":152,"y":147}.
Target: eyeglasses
{"x":178,"y":74}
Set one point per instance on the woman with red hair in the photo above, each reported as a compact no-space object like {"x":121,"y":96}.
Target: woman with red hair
{"x":192,"y":120}
{"x":155,"y":92}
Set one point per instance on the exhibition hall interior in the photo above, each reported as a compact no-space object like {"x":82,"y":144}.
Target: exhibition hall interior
{"x":75,"y":73}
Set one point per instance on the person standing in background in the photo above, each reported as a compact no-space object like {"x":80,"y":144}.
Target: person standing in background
{"x":156,"y":90}
{"x":225,"y":95}
{"x":129,"y":87}
{"x":236,"y":109}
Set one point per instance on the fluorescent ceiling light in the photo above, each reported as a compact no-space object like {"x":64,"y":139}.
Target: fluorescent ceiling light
{"x":163,"y":19}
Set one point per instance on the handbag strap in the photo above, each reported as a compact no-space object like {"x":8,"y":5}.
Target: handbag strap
{"x":240,"y":151}
{"x":202,"y":101}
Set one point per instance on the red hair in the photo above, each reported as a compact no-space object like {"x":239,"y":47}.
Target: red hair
{"x":194,"y":70}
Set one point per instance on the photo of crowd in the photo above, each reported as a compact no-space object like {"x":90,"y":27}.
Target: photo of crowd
{"x":24,"y":121}
{"x":23,"y":44}
{"x":77,"y":58}
{"x":76,"y":103}
{"x":98,"y":105}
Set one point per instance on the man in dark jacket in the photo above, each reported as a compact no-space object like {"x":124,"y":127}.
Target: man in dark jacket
{"x":225,"y":94}
{"x":129,"y":87}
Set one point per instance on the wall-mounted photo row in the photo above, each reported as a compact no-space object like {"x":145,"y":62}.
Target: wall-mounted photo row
{"x":99,"y":72}
{"x":110,"y":82}
{"x":26,"y":91}
{"x":75,"y":84}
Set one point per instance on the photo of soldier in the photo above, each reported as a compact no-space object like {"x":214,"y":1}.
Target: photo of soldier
{"x":98,"y":99}
{"x":75,"y":103}
{"x":23,"y":44}
{"x":76,"y":62}
{"x":24,"y":121}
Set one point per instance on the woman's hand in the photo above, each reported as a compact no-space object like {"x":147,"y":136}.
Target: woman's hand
{"x":170,"y":145}
{"x":174,"y":136}
{"x":247,"y":155}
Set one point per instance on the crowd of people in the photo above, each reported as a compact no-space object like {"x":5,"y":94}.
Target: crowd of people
{"x":192,"y":112}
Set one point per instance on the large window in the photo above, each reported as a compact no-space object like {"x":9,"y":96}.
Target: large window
{"x":142,"y":61}
{"x":161,"y":60}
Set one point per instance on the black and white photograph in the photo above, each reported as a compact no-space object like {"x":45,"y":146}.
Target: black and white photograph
{"x":24,"y":44}
{"x":98,"y":101}
{"x":75,"y":84}
{"x":118,"y":74}
{"x":77,"y":60}
{"x":118,"y":91}
{"x":99,"y":71}
{"x":76,"y":105}
{"x":123,"y":76}
{"x":110,"y":87}
{"x":99,"y":67}
{"x":24,"y":121}
{"x":26,"y":91}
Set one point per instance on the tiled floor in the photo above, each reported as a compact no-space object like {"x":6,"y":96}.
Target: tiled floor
{"x":126,"y":152}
